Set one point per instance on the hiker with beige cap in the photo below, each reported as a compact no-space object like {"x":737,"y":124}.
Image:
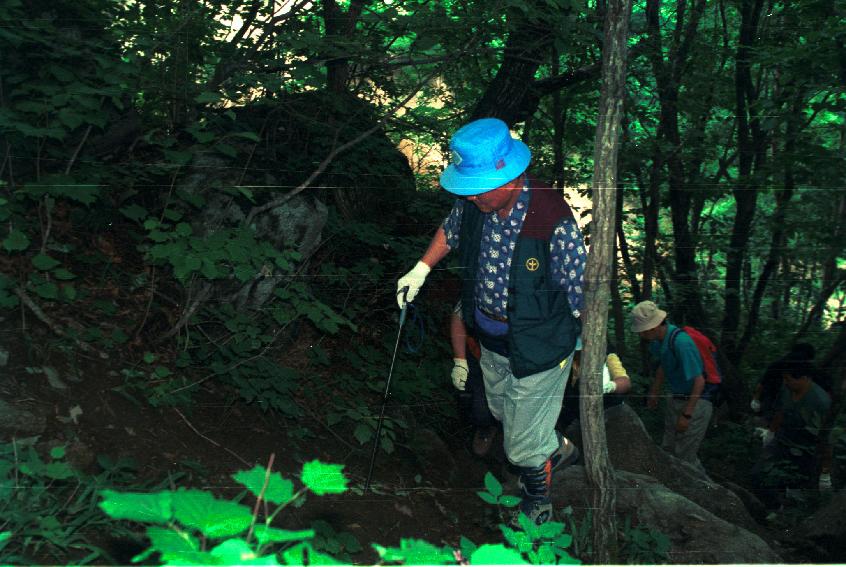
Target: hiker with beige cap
{"x":680,"y":365}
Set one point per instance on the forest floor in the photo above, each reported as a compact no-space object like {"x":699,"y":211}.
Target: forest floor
{"x":426,"y":492}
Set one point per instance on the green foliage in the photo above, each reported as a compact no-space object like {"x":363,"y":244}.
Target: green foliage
{"x":48,"y":508}
{"x":642,"y":545}
{"x":184,"y":521}
{"x":541,"y":545}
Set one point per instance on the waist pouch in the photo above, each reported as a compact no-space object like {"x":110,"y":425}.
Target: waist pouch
{"x":488,"y":326}
{"x":491,"y":333}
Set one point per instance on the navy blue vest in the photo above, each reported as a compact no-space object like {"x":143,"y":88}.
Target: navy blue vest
{"x":542,"y":330}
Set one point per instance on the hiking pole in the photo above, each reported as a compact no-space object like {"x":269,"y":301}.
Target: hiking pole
{"x":404,"y":292}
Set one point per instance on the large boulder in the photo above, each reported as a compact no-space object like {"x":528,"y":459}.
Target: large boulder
{"x":696,"y":535}
{"x":827,"y":528}
{"x":631,"y":449}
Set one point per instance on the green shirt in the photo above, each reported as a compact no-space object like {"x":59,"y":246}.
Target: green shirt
{"x":682,"y":364}
{"x":802,"y":418}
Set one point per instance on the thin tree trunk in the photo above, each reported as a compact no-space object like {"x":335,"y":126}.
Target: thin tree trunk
{"x":599,"y":471}
{"x":779,"y":235}
{"x":623,"y":247}
{"x":668,"y":76}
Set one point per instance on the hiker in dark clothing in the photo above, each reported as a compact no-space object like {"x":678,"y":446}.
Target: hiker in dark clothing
{"x":466,"y":376}
{"x":790,"y":441}
{"x":768,"y":391}
{"x":615,"y":383}
{"x":767,"y":395}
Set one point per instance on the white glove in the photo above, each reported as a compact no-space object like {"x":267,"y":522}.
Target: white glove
{"x":825,"y":481}
{"x":460,"y":370}
{"x":413,"y":280}
{"x":755,"y":405}
{"x":765,"y":434}
{"x":608,"y":384}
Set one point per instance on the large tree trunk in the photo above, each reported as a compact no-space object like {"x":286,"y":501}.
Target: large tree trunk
{"x":526,"y":47}
{"x":598,"y":468}
{"x":750,"y":147}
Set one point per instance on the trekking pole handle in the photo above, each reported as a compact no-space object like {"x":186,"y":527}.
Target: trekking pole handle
{"x":404,"y":292}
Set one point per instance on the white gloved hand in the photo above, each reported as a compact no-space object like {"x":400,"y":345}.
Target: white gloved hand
{"x":608,"y":384}
{"x":825,"y":481}
{"x":460,"y":371}
{"x":765,"y":434}
{"x":755,"y":405}
{"x":413,"y":280}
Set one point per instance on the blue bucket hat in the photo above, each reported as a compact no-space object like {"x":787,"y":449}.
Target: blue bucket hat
{"x":484,"y":157}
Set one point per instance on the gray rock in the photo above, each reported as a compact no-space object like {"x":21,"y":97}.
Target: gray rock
{"x":631,"y":449}
{"x":827,"y":527}
{"x":296,"y":224}
{"x":19,"y":422}
{"x":697,"y":536}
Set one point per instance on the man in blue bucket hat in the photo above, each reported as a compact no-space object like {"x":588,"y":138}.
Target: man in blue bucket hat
{"x":522,"y":259}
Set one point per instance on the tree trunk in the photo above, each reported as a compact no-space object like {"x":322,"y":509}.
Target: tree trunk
{"x":668,"y":75}
{"x":779,"y":234}
{"x":526,"y":47}
{"x":750,"y":144}
{"x":597,"y":466}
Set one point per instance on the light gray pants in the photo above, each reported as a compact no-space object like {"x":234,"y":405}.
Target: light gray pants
{"x":527,"y":407}
{"x":685,"y":445}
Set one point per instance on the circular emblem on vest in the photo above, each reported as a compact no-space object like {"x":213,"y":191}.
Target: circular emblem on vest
{"x":532,"y":264}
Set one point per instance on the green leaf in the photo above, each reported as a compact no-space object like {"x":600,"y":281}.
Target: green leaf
{"x":550,"y":530}
{"x":153,"y":508}
{"x":214,"y":518}
{"x":279,"y":490}
{"x":492,"y":484}
{"x":69,"y":291}
{"x":207,"y":96}
{"x":16,"y":241}
{"x":497,"y":555}
{"x":238,"y":552}
{"x":44,"y":262}
{"x":64,"y":274}
{"x":363,"y":433}
{"x":184,"y":229}
{"x":252,"y":136}
{"x":57,"y":452}
{"x":509,"y":501}
{"x":149,"y":357}
{"x":265,"y":534}
{"x":135,"y":212}
{"x":4,"y":536}
{"x":322,"y":478}
{"x":487,"y":497}
{"x":416,"y":552}
{"x":171,"y":543}
{"x":47,"y":290}
{"x":305,"y":554}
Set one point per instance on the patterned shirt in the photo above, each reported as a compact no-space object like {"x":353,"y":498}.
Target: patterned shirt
{"x":499,"y":238}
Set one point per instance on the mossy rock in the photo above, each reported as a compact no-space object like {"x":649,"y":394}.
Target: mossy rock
{"x":299,"y":131}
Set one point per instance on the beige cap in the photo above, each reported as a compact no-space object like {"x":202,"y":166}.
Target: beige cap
{"x":646,"y":315}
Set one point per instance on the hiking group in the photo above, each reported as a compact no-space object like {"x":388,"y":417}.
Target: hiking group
{"x":516,"y":329}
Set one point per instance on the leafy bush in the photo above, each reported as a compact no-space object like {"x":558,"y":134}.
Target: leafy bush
{"x":193,"y":527}
{"x":47,"y":508}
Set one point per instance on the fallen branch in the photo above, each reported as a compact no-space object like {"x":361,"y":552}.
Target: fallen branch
{"x":55,"y":327}
{"x":261,"y":495}
{"x":212,"y":441}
